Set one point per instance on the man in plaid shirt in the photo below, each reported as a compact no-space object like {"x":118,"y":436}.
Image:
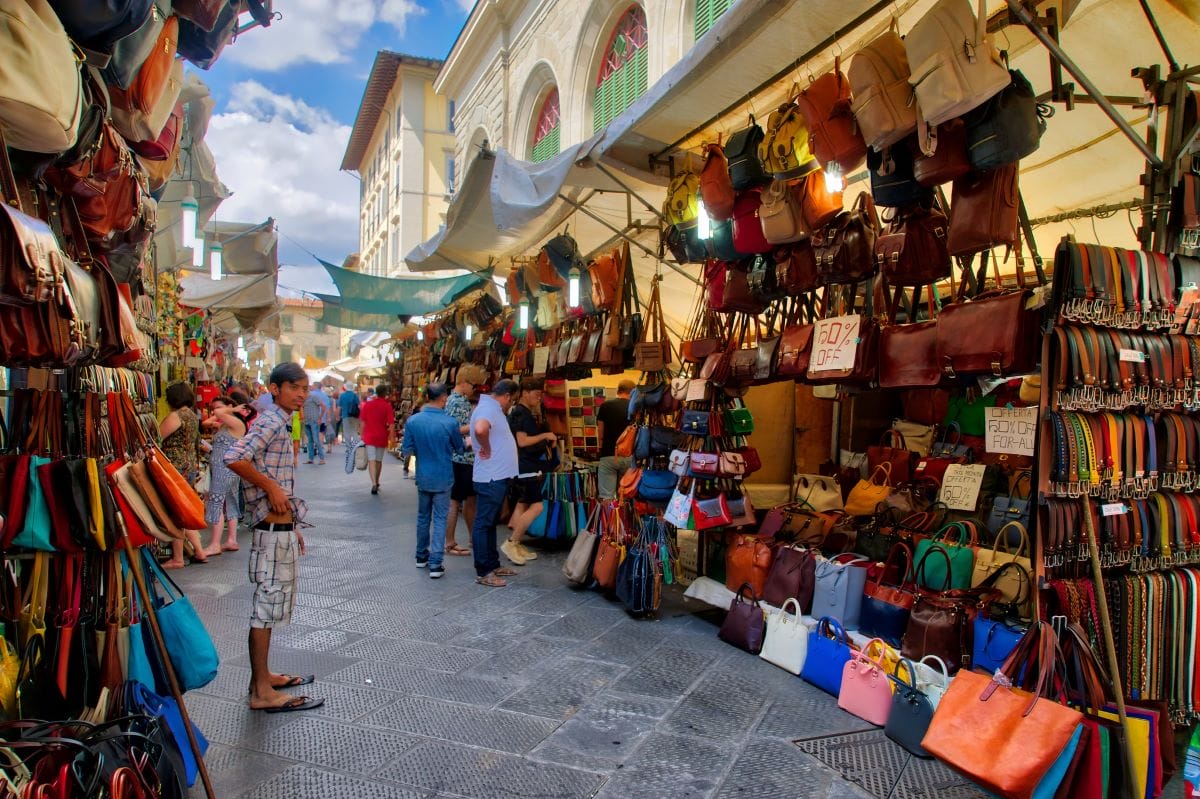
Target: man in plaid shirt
{"x":264,"y":459}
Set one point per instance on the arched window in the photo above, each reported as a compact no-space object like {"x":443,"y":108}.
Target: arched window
{"x":708,"y":12}
{"x":623,"y":76}
{"x":546,"y":140}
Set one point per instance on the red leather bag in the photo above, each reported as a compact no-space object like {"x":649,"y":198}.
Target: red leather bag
{"x":943,"y":154}
{"x":819,"y":205}
{"x":891,"y":450}
{"x":747,"y":560}
{"x":795,"y":346}
{"x":908,"y":356}
{"x":714,"y":284}
{"x":994,"y":333}
{"x":834,"y":137}
{"x":983,"y":211}
{"x":716,"y":189}
{"x":748,"y":238}
{"x":796,"y":268}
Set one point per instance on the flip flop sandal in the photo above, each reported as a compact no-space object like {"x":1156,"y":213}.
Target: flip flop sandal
{"x":457,"y":550}
{"x":294,"y":704}
{"x":505,"y":573}
{"x":491,"y":582}
{"x":295,"y":681}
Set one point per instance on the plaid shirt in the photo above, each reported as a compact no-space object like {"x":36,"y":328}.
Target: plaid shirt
{"x":268,"y":445}
{"x":459,"y":408}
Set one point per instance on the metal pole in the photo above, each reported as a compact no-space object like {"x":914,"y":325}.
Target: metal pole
{"x":1078,"y":74}
{"x":630,"y":191}
{"x":1158,"y":34}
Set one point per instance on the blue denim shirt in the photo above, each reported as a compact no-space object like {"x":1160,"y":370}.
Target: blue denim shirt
{"x":432,"y":435}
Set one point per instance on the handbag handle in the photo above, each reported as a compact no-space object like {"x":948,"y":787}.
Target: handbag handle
{"x":863,"y":655}
{"x":783,"y":610}
{"x":1025,"y":580}
{"x":1022,"y":548}
{"x":886,"y":468}
{"x":941,"y":665}
{"x":828,"y":623}
{"x":1026,"y":478}
{"x":753,"y":599}
{"x":919,"y":574}
{"x":909,"y":667}
{"x":890,"y":437}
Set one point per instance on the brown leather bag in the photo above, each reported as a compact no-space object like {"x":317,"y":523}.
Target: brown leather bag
{"x":604,"y":567}
{"x":782,"y":212}
{"x":834,"y":136}
{"x":654,"y":352}
{"x":792,"y":576}
{"x":943,"y":153}
{"x":795,"y":345}
{"x":994,"y":333}
{"x":820,"y":205}
{"x":716,"y":188}
{"x":845,"y":249}
{"x":908,"y":356}
{"x":911,"y":251}
{"x":796,"y":268}
{"x":747,"y":560}
{"x":984,"y":211}
{"x":605,"y":273}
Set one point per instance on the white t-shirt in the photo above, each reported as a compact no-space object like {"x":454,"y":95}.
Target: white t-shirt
{"x":502,"y":464}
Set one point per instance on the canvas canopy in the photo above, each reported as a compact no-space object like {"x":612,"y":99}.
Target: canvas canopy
{"x":397,"y":296}
{"x":243,"y":300}
{"x":335,"y":315}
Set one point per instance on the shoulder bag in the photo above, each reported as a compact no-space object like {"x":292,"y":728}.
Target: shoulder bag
{"x":911,"y":251}
{"x":781,"y":213}
{"x":654,"y":352}
{"x":866,"y":691}
{"x":187,"y":641}
{"x":828,"y":654}
{"x":984,"y":211}
{"x":838,"y":588}
{"x":911,"y":712}
{"x":943,"y":152}
{"x":577,"y":566}
{"x":893,"y":181}
{"x":747,"y":561}
{"x":866,"y":496}
{"x":845,"y":248}
{"x":710,"y":512}
{"x":791,"y":577}
{"x":886,"y":607}
{"x":748,"y":236}
{"x":786,"y":642}
{"x":743,"y":625}
{"x":1007,"y":127}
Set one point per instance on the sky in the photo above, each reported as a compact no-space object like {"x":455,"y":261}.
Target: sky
{"x":286,"y":97}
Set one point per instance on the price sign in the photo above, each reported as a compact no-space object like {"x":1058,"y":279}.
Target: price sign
{"x":834,"y":344}
{"x":1010,"y":431}
{"x":960,"y":486}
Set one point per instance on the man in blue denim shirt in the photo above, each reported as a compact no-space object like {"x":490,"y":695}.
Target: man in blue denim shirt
{"x":433,"y":436}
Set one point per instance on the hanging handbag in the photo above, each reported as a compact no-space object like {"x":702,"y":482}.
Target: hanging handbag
{"x":791,"y":576}
{"x":893,"y":182}
{"x":820,"y":206}
{"x":983,"y":211}
{"x":188,"y":643}
{"x":911,"y":251}
{"x":710,"y":512}
{"x":882,"y":103}
{"x":886,"y":607}
{"x":828,"y":654}
{"x":656,"y":485}
{"x":960,"y":558}
{"x":834,"y":136}
{"x":942,"y":153}
{"x":654,"y":353}
{"x":748,"y":236}
{"x":908,"y":355}
{"x":716,"y":189}
{"x":866,"y":691}
{"x":838,"y":591}
{"x":741,"y":151}
{"x":41,"y":95}
{"x":743,"y":625}
{"x":785,"y":149}
{"x":1007,"y":127}
{"x":1012,"y":508}
{"x":996,"y":333}
{"x":893,"y":451}
{"x":695,"y":423}
{"x":911,"y":712}
{"x":679,"y":508}
{"x":845,"y":248}
{"x":781,"y":213}
{"x":747,"y":560}
{"x":867,"y":494}
{"x":737,"y":421}
{"x":796,"y":269}
{"x":786,"y":641}
{"x":865,"y":370}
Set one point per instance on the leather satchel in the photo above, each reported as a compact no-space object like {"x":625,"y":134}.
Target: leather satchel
{"x":795,"y":346}
{"x":744,"y":623}
{"x":606,"y":273}
{"x":983,"y":211}
{"x":834,"y":136}
{"x":792,"y":576}
{"x":796,"y":268}
{"x":995,"y":333}
{"x":747,"y":560}
{"x":943,"y":153}
{"x":820,"y":205}
{"x":908,"y":356}
{"x":911,"y":251}
{"x":781,"y":213}
{"x":845,"y":249}
{"x":716,"y":189}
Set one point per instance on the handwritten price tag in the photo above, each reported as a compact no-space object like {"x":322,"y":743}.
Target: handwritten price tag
{"x":1010,"y":431}
{"x":960,"y":486}
{"x":835,"y":344}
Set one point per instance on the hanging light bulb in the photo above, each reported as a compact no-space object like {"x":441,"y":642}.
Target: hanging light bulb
{"x":523,"y":315}
{"x":468,"y":332}
{"x":703,"y":223}
{"x":420,"y":335}
{"x":189,"y":220}
{"x":217,"y":260}
{"x":573,"y":288}
{"x":834,"y":180}
{"x":198,"y":254}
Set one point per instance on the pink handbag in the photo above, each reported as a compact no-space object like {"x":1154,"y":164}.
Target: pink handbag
{"x":865,"y":689}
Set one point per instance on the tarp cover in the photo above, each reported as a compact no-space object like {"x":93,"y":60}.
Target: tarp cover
{"x":397,"y":296}
{"x":335,"y":315}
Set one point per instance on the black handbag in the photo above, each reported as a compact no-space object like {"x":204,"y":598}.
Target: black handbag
{"x":744,"y":624}
{"x":911,"y":711}
{"x":1007,"y":127}
{"x":741,"y":151}
{"x":720,"y":242}
{"x":892,"y":181}
{"x":638,"y":585}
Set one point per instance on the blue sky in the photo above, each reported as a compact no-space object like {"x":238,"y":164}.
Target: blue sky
{"x":286,"y":98}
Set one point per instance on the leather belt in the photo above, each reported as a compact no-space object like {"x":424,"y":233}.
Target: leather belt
{"x":1116,"y":288}
{"x":1097,"y":369}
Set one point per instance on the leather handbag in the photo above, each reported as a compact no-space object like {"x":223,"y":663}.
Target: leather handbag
{"x":738,"y":295}
{"x":703,"y":464}
{"x":942,"y":153}
{"x":731,"y":464}
{"x":781,"y":213}
{"x":911,"y":251}
{"x":709,"y":512}
{"x":882,"y":103}
{"x":866,"y":691}
{"x":819,"y":205}
{"x":41,"y":93}
{"x":741,"y":509}
{"x":654,"y":352}
{"x":203,"y":46}
{"x":911,"y":712}
{"x":791,"y":577}
{"x":1012,"y":508}
{"x":1013,"y":583}
{"x":785,"y":149}
{"x":748,"y":236}
{"x":893,"y":180}
{"x":993,"y":640}
{"x":695,"y":423}
{"x":795,"y":346}
{"x":1005,"y":739}
{"x":939,"y":626}
{"x":908,"y":356}
{"x":741,"y":151}
{"x":955,"y":66}
{"x":886,"y":607}
{"x":867,"y":494}
{"x":150,"y":83}
{"x":845,"y":249}
{"x":737,"y":421}
{"x":984,"y":211}
{"x":786,"y":642}
{"x":996,"y":333}
{"x":1007,"y":127}
{"x":893,"y":451}
{"x":796,"y":268}
{"x":747,"y":560}
{"x":606,"y":273}
{"x":838,"y":591}
{"x":828,"y":654}
{"x":745,"y":621}
{"x":818,"y":493}
{"x":656,"y":485}
{"x":834,"y":136}
{"x":716,"y":189}
{"x":958,"y":542}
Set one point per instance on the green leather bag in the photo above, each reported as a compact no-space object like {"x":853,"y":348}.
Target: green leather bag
{"x":958,"y":540}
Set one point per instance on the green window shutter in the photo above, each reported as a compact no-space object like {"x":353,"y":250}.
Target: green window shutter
{"x":708,"y":12}
{"x":547,"y":148}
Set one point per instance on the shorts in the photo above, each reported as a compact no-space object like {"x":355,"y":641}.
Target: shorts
{"x":527,"y":490}
{"x":273,"y":556}
{"x":375,"y":453}
{"x":464,"y":482}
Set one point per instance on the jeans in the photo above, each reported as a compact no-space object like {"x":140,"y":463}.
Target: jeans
{"x":489,"y":499}
{"x":608,"y":475}
{"x":314,"y":444}
{"x":435,"y":504}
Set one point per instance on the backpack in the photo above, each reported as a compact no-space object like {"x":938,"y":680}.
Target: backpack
{"x":882,"y":103}
{"x":784,"y":152}
{"x":745,"y":167}
{"x":681,"y":207}
{"x":715,"y":186}
{"x":833,"y":132}
{"x":955,"y":67}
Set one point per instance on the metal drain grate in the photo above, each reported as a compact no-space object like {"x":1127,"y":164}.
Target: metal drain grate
{"x":884,"y":769}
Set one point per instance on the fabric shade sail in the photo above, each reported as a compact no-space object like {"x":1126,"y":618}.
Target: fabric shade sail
{"x":335,"y":315}
{"x":397,"y":296}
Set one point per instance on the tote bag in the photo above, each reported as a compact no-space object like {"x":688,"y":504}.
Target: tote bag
{"x":786,"y":642}
{"x":839,"y":589}
{"x":188,"y":643}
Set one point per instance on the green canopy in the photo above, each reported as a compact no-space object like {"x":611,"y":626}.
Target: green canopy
{"x":398,"y":296}
{"x":335,"y":315}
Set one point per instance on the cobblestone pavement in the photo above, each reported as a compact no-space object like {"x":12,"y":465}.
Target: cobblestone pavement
{"x":444,"y":688}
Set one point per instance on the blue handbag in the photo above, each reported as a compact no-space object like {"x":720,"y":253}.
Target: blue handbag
{"x":1013,"y":508}
{"x":138,"y":667}
{"x":188,"y":643}
{"x":827,"y":656}
{"x":36,"y":532}
{"x":885,"y":608}
{"x":141,"y":699}
{"x":657,"y":485}
{"x":994,"y":642}
{"x":838,"y":592}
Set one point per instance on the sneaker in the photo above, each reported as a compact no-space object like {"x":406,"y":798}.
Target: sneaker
{"x":512,"y":551}
{"x":436,"y":572}
{"x":422,"y":564}
{"x":527,"y":553}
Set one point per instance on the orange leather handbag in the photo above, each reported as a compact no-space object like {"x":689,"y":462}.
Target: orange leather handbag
{"x":748,"y":560}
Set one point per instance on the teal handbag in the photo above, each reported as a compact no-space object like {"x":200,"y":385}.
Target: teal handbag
{"x":36,"y":532}
{"x":738,"y":421}
{"x":188,"y":643}
{"x":956,"y":569}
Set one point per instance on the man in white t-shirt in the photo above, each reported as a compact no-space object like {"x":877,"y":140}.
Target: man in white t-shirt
{"x":495,"y":465}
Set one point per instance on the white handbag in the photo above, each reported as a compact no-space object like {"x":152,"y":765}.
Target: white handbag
{"x":41,"y":94}
{"x":955,"y":66}
{"x":934,"y":687}
{"x":786,"y":642}
{"x":818,"y":493}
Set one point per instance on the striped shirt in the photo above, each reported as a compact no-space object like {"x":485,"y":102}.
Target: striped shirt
{"x":268,"y":446}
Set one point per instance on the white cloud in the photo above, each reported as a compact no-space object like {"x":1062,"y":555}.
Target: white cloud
{"x":281,"y":157}
{"x":466,"y":5}
{"x":319,"y":31}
